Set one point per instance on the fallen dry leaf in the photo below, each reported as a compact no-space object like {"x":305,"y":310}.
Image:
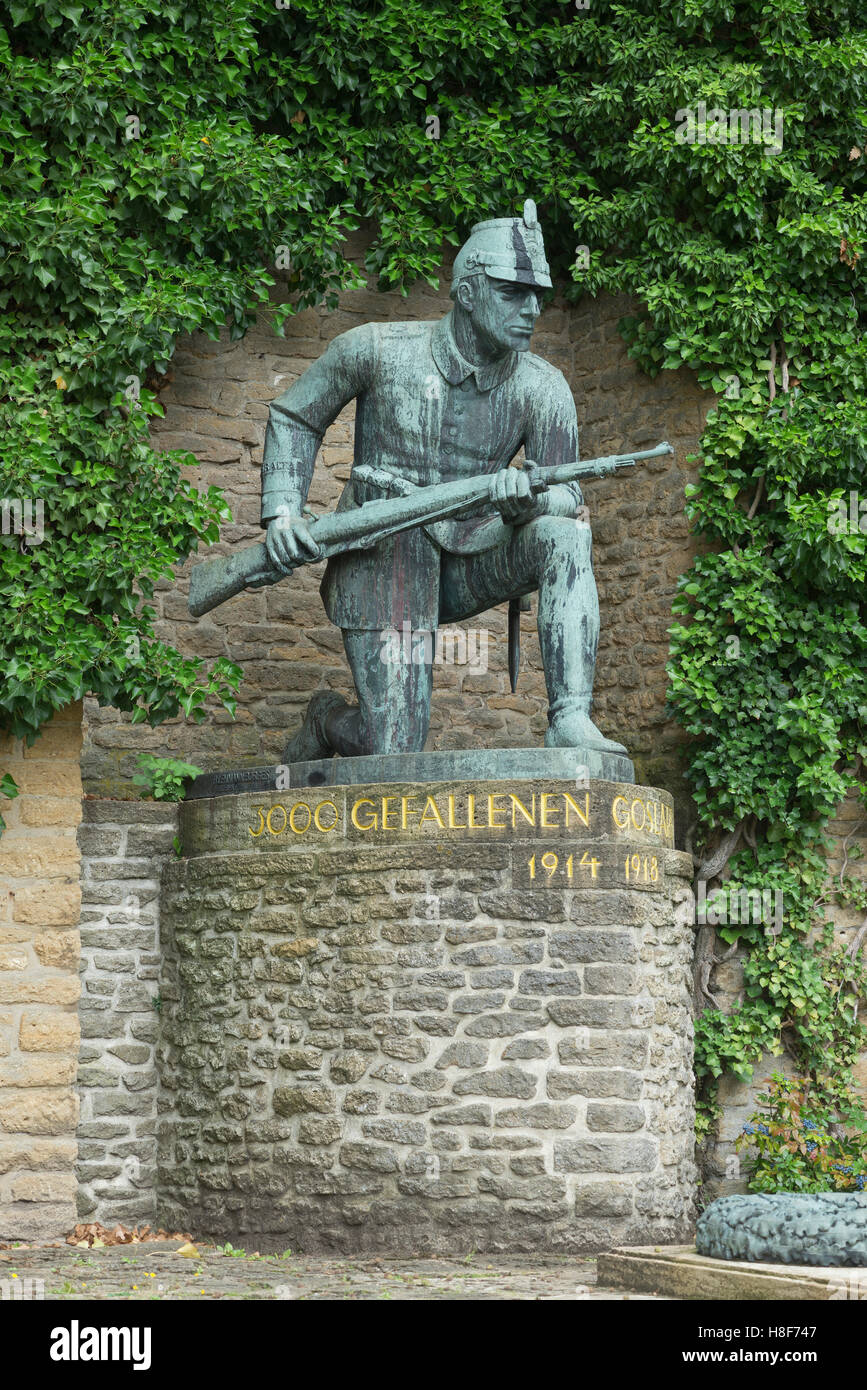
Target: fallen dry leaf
{"x":92,"y":1234}
{"x":847,"y":254}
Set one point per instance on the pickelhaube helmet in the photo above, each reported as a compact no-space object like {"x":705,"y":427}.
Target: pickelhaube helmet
{"x":506,"y":248}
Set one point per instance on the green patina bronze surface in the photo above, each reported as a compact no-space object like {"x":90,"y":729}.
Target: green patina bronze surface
{"x":576,"y":765}
{"x":827,"y":1228}
{"x":434,"y":526}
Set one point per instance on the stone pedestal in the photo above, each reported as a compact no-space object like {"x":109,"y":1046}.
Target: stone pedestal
{"x":428,"y":1018}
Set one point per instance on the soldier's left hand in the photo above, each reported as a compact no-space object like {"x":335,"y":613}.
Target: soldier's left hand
{"x":510,"y":493}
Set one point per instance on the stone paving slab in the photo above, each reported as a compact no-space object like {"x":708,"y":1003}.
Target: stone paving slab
{"x":154,"y":1270}
{"x":678,"y":1271}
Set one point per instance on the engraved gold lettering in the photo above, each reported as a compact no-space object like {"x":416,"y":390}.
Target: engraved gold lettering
{"x":271,"y":830}
{"x":632,"y":815}
{"x":257,"y":833}
{"x":404,"y":810}
{"x":616,"y":813}
{"x":453,"y":824}
{"x":583,"y":816}
{"x":529,"y":816}
{"x":372,"y":823}
{"x":386,"y":812}
{"x":293,"y":827}
{"x":471,"y":814}
{"x":319,"y":809}
{"x":430,"y":805}
{"x":493,"y":810}
{"x":543,"y":812}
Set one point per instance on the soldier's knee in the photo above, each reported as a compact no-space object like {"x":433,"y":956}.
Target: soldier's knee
{"x":563,"y":533}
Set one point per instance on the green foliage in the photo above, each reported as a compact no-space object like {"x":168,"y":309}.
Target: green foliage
{"x":265,"y":128}
{"x":796,"y":1142}
{"x":9,"y":789}
{"x":768,"y":664}
{"x":117,"y":517}
{"x":165,"y":779}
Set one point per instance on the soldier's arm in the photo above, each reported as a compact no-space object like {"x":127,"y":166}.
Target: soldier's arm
{"x":297,"y":420}
{"x":552,"y":438}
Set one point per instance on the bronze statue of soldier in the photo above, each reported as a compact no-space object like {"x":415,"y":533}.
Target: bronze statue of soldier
{"x":435,"y":402}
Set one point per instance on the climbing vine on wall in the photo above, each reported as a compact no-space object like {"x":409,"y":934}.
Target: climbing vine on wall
{"x":750,"y":265}
{"x":159,"y":166}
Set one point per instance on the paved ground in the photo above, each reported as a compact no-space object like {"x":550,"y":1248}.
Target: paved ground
{"x":154,"y":1270}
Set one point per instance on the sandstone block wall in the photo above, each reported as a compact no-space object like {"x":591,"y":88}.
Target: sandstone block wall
{"x":216,"y":402}
{"x":39,"y":986}
{"x":123,"y":848}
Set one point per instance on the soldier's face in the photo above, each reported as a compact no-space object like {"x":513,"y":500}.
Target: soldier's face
{"x":504,"y":314}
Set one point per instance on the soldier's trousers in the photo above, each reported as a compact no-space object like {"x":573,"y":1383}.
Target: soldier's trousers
{"x":550,"y":554}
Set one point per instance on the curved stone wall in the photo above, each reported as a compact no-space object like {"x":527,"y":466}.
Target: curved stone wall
{"x":427,"y":1041}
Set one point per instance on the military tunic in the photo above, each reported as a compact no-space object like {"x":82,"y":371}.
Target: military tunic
{"x":428,"y":415}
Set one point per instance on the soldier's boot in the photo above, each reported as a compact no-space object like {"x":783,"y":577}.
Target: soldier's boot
{"x":573,"y":728}
{"x":311,"y":742}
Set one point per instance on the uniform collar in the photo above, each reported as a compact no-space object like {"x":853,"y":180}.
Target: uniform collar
{"x":455,"y":367}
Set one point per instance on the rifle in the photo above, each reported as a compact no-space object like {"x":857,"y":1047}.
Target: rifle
{"x":212,"y":582}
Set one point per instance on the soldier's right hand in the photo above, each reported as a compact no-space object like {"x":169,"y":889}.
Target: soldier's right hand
{"x":289,"y":542}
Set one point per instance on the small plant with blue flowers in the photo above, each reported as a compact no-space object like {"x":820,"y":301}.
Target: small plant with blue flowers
{"x":796,"y":1143}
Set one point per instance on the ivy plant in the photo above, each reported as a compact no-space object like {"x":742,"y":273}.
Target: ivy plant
{"x":9,"y":790}
{"x":165,"y":779}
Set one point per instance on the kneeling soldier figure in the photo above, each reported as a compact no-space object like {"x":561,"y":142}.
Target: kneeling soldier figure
{"x":438,"y":402}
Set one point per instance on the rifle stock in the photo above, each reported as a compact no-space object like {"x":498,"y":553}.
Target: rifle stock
{"x":212,"y":582}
